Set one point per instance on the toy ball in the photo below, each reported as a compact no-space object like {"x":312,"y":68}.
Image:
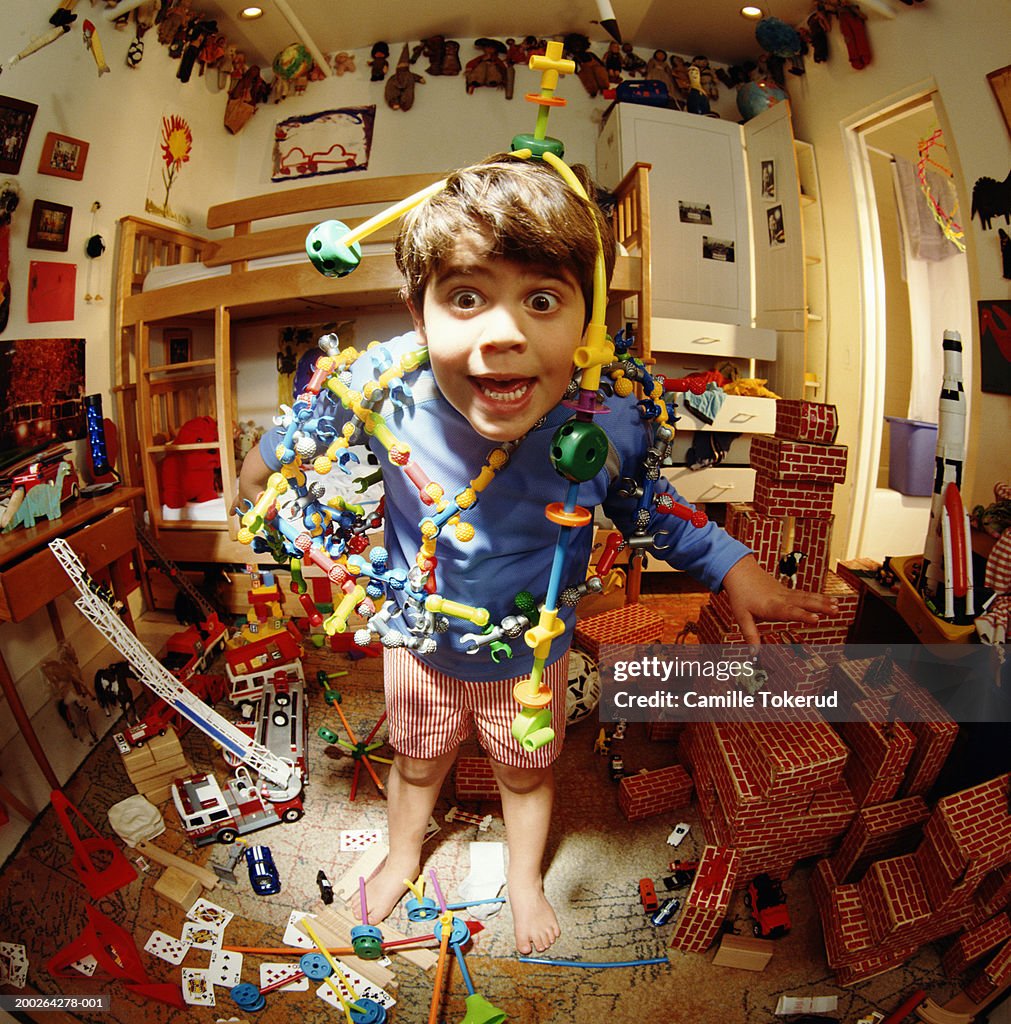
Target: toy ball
{"x":754,"y":97}
{"x":583,"y":694}
{"x":293,"y":61}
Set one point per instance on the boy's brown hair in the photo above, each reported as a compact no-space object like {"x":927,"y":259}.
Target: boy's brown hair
{"x":525,"y":208}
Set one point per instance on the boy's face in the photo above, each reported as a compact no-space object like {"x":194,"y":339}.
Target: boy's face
{"x":500,"y":336}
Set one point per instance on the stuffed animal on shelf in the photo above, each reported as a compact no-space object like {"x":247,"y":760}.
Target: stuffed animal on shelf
{"x":488,"y":68}
{"x":191,"y":475}
{"x":380,"y":62}
{"x":399,"y":92}
{"x":590,"y":69}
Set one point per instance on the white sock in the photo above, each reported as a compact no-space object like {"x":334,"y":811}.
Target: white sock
{"x":485,"y":881}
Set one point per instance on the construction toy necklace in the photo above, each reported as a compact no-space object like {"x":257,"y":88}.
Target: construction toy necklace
{"x":332,"y":536}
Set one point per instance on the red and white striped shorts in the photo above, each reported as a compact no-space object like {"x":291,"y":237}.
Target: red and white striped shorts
{"x":431,"y":713}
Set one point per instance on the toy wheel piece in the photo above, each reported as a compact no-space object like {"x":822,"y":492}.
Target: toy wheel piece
{"x":315,"y":966}
{"x":227,"y":836}
{"x":370,"y":1013}
{"x":248,"y":997}
{"x":290,"y":815}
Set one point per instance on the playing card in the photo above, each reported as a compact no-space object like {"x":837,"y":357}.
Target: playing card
{"x":197,"y":987}
{"x":203,"y":936}
{"x":363,"y":989}
{"x":225,"y":968}
{"x":86,"y":965}
{"x":292,"y":935}
{"x":13,"y":964}
{"x":361,"y":839}
{"x":205,"y":912}
{"x":167,"y":947}
{"x":271,"y":973}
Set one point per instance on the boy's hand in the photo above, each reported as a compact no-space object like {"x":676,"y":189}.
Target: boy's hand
{"x":754,"y":594}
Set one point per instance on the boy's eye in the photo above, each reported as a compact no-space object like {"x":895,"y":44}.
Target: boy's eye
{"x":543,"y":302}
{"x":465,"y":299}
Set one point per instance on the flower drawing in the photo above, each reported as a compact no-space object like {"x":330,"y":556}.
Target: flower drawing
{"x":176,"y":146}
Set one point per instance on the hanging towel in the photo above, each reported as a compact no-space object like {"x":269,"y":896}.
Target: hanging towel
{"x":707,"y":405}
{"x":926,"y":239}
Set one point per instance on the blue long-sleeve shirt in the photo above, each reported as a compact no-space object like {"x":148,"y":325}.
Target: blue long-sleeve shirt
{"x":514,"y":542}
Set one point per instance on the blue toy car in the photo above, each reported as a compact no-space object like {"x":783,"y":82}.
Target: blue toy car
{"x":667,"y":910}
{"x":263,"y":876}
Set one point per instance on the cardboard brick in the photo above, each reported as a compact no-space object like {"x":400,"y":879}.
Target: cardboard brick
{"x":786,"y":498}
{"x":707,"y":901}
{"x":975,"y":943}
{"x":806,"y":421}
{"x":814,"y":538}
{"x":631,"y":624}
{"x":787,"y":459}
{"x":763,"y":534}
{"x":474,"y":779}
{"x":882,"y":829}
{"x":649,"y":793}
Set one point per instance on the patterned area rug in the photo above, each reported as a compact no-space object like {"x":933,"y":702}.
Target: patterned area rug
{"x":595,"y":857}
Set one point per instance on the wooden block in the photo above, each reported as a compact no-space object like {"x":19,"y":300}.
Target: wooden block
{"x":157,"y":793}
{"x":744,"y":953}
{"x":340,"y":920}
{"x":139,"y":757}
{"x":179,"y":887}
{"x":166,"y":746}
{"x":173,"y":768}
{"x":929,"y":1012}
{"x":365,"y":867}
{"x":208,"y":879}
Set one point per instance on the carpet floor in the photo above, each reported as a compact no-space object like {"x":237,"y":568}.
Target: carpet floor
{"x":595,"y":859}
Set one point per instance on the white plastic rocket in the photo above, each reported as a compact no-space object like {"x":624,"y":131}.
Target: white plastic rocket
{"x":947,"y":556}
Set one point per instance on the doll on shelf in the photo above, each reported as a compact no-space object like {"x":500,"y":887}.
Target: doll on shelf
{"x":488,"y":68}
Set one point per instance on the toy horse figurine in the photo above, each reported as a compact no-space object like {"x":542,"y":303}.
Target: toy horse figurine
{"x":74,"y":711}
{"x":112,"y":689}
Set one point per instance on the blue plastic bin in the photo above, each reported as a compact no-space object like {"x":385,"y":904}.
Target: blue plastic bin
{"x":912,"y":444}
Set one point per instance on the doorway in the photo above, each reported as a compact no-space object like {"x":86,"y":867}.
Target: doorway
{"x":915,"y":285}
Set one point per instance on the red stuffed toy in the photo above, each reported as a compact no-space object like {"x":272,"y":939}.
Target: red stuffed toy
{"x":190,"y":476}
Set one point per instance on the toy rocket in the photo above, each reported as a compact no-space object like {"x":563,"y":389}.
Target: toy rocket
{"x":94,"y":44}
{"x":947,"y":538}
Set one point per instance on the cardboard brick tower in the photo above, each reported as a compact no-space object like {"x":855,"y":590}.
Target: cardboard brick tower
{"x":796,"y":471}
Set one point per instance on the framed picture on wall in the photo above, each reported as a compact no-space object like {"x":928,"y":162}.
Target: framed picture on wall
{"x":16,"y":117}
{"x":1000,"y":82}
{"x":63,"y":156}
{"x":178,"y":344}
{"x":50,"y":226}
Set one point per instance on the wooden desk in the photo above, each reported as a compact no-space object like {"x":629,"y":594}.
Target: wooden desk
{"x":101,"y":531}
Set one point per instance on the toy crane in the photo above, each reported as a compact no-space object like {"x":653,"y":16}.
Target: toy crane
{"x":157,"y":678}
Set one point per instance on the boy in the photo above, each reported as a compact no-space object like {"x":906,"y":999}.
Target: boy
{"x":499,"y":278}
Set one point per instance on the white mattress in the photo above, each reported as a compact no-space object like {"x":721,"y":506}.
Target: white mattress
{"x":187,"y":273}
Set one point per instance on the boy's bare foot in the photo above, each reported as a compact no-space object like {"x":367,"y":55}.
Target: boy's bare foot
{"x":385,"y":890}
{"x":534,"y":920}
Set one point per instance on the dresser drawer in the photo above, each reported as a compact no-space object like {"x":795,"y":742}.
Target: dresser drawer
{"x":714,"y":483}
{"x":29,"y":585}
{"x":710,"y":340}
{"x":739,"y":414}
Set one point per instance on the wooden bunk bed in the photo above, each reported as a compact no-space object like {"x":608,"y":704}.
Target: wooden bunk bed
{"x":156,"y":396}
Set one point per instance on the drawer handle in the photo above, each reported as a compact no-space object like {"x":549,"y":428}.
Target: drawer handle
{"x":713,"y":491}
{"x":705,"y":341}
{"x":742,"y":417}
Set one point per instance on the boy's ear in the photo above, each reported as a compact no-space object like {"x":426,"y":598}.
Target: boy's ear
{"x":418,"y":318}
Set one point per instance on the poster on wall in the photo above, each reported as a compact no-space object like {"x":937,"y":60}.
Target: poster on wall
{"x":171,"y":183}
{"x":995,"y":346}
{"x":41,"y":391}
{"x":330,"y":142}
{"x":51,"y":288}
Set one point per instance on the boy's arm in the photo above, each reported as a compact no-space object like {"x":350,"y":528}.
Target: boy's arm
{"x":253,"y":475}
{"x":754,"y":594}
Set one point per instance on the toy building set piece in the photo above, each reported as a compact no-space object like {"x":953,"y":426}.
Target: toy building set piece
{"x":649,"y":793}
{"x":705,"y":906}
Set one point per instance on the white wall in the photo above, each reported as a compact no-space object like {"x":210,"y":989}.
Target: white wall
{"x":954,"y":44}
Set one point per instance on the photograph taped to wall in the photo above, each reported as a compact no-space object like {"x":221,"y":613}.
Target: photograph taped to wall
{"x":63,"y":156}
{"x":777,"y":230}
{"x":694,"y":213}
{"x":50,"y":226}
{"x":719,"y":249}
{"x":41,"y":391}
{"x":768,"y":179}
{"x":16,"y":117}
{"x":330,"y":142}
{"x":995,"y":346}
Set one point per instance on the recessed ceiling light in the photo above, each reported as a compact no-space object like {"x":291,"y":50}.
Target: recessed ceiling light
{"x":249,"y":13}
{"x":752,"y":12}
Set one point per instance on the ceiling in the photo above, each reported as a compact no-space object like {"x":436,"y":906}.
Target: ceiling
{"x":713,"y":28}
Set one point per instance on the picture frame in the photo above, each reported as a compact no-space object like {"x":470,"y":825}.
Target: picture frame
{"x":50,"y":226}
{"x":16,"y":118}
{"x":63,"y":156}
{"x":178,"y":344}
{"x":1000,"y":83}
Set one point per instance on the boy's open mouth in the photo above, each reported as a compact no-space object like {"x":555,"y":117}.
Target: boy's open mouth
{"x":508,"y":389}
